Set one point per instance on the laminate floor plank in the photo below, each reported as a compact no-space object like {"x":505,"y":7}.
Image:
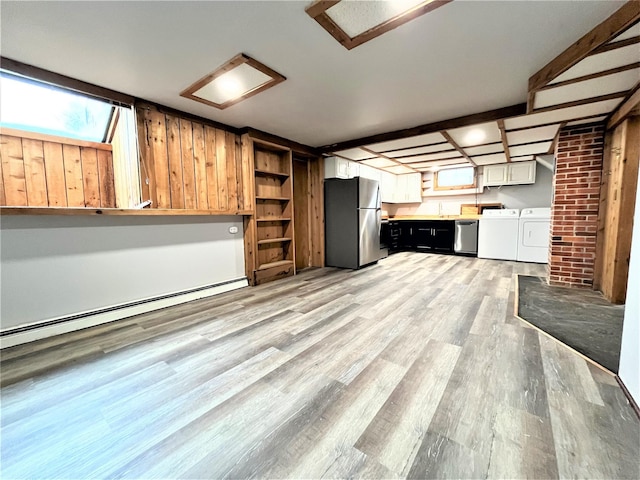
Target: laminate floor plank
{"x":411,"y":368}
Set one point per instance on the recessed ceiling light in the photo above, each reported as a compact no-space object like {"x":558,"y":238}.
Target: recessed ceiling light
{"x":238,"y":79}
{"x":475,"y":136}
{"x":353,"y":23}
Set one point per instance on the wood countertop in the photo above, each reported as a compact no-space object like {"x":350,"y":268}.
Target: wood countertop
{"x":433,"y":217}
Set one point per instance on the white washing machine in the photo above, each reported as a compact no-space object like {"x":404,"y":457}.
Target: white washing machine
{"x":533,"y":237}
{"x":498,"y":234}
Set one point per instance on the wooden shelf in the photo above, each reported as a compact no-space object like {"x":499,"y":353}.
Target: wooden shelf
{"x":279,"y":199}
{"x":114,"y":211}
{"x":273,"y":219}
{"x":265,"y":266}
{"x":273,"y":240}
{"x":271,"y":174}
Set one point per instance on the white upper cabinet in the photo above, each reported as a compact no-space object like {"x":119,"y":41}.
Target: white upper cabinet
{"x":516,"y":173}
{"x":336,"y":167}
{"x":409,"y":188}
{"x":387,"y":187}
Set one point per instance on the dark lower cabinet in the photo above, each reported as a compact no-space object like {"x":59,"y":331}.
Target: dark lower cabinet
{"x":423,"y":235}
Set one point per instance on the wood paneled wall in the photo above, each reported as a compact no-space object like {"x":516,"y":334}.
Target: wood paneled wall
{"x":46,"y":171}
{"x":186,"y":164}
{"x":617,"y":205}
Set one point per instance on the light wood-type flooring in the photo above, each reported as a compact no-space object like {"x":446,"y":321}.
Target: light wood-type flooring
{"x":412,"y":368}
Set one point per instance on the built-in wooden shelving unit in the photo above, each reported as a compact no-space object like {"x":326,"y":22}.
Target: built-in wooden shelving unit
{"x":269,"y":234}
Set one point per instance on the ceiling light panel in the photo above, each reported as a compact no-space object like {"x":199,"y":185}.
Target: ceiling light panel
{"x":492,"y":148}
{"x":353,"y":23}
{"x":236,"y":80}
{"x":379,"y":162}
{"x":355,"y":18}
{"x":561,"y":115}
{"x":532,"y":149}
{"x":476,"y":134}
{"x":532,"y":134}
{"x":618,"y":82}
{"x":601,"y":62}
{"x":355,"y":154}
{"x":490,"y":159}
{"x":417,"y":141}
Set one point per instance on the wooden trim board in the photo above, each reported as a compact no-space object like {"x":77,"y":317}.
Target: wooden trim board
{"x":627,"y":394}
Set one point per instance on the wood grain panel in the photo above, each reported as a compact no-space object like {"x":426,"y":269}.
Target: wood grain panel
{"x":211,"y":164}
{"x":221,"y":170}
{"x":301,"y":199}
{"x":248,"y":162}
{"x":147,"y":178}
{"x":107,"y":180}
{"x":188,"y":164}
{"x":34,"y":172}
{"x":316,"y":178}
{"x":174,"y":155}
{"x":200,"y":166}
{"x":160,"y":159}
{"x":90,"y":177}
{"x":73,"y":175}
{"x":13,"y":171}
{"x":54,"y":168}
{"x":239,"y":173}
{"x":232,"y":179}
{"x":3,"y":198}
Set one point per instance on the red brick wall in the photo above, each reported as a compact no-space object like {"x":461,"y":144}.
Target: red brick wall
{"x":574,"y":211}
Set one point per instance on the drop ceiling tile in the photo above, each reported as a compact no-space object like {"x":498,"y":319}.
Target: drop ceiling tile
{"x":561,"y":115}
{"x":476,"y":134}
{"x":438,"y":163}
{"x":532,"y":134}
{"x":379,"y":162}
{"x":601,"y":62}
{"x":532,"y":149}
{"x":490,"y":159}
{"x":438,"y":147}
{"x":492,"y":148}
{"x":399,"y":169}
{"x":618,"y":82}
{"x":587,"y":120}
{"x":427,"y":139}
{"x":355,"y":154}
{"x":431,"y":156}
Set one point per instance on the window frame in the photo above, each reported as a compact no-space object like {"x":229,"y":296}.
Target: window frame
{"x":473,"y":185}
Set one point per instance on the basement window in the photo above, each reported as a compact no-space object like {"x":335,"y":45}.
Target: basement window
{"x":455,"y":178}
{"x":33,"y":106}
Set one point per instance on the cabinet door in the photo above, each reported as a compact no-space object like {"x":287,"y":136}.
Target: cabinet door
{"x":414,"y":185}
{"x":423,"y":236}
{"x":495,"y":175}
{"x":408,"y":235}
{"x":443,"y":236}
{"x":522,"y":173}
{"x":342,"y":168}
{"x":388,"y":187}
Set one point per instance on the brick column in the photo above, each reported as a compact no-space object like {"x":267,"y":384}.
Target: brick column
{"x":574,"y":211}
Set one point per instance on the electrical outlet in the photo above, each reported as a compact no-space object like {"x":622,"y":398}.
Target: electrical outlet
{"x":233,"y":229}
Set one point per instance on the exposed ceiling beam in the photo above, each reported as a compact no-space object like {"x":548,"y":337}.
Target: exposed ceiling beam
{"x":591,"y":76}
{"x":621,"y":19}
{"x":381,"y":155}
{"x":584,"y":101}
{"x":503,"y":136}
{"x":620,"y":113}
{"x":615,"y":45}
{"x":490,"y":116}
{"x":458,"y":148}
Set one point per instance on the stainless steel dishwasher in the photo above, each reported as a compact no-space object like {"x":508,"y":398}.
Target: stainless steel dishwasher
{"x":466,"y":239}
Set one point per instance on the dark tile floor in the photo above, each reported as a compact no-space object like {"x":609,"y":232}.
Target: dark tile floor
{"x":582,"y":319}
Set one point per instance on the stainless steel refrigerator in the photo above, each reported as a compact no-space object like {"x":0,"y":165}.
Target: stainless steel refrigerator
{"x":353,"y":219}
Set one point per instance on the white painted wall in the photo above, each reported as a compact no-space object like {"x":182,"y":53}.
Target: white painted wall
{"x":54,"y":266}
{"x":629,"y":371}
{"x":538,"y":194}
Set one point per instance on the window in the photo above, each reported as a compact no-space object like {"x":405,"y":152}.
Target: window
{"x":455,"y":178}
{"x":38,"y":107}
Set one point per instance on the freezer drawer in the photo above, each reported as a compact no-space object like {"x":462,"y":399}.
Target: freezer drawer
{"x":466,"y":238}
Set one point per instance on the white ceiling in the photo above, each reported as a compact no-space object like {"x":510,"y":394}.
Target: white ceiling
{"x":463,"y":58}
